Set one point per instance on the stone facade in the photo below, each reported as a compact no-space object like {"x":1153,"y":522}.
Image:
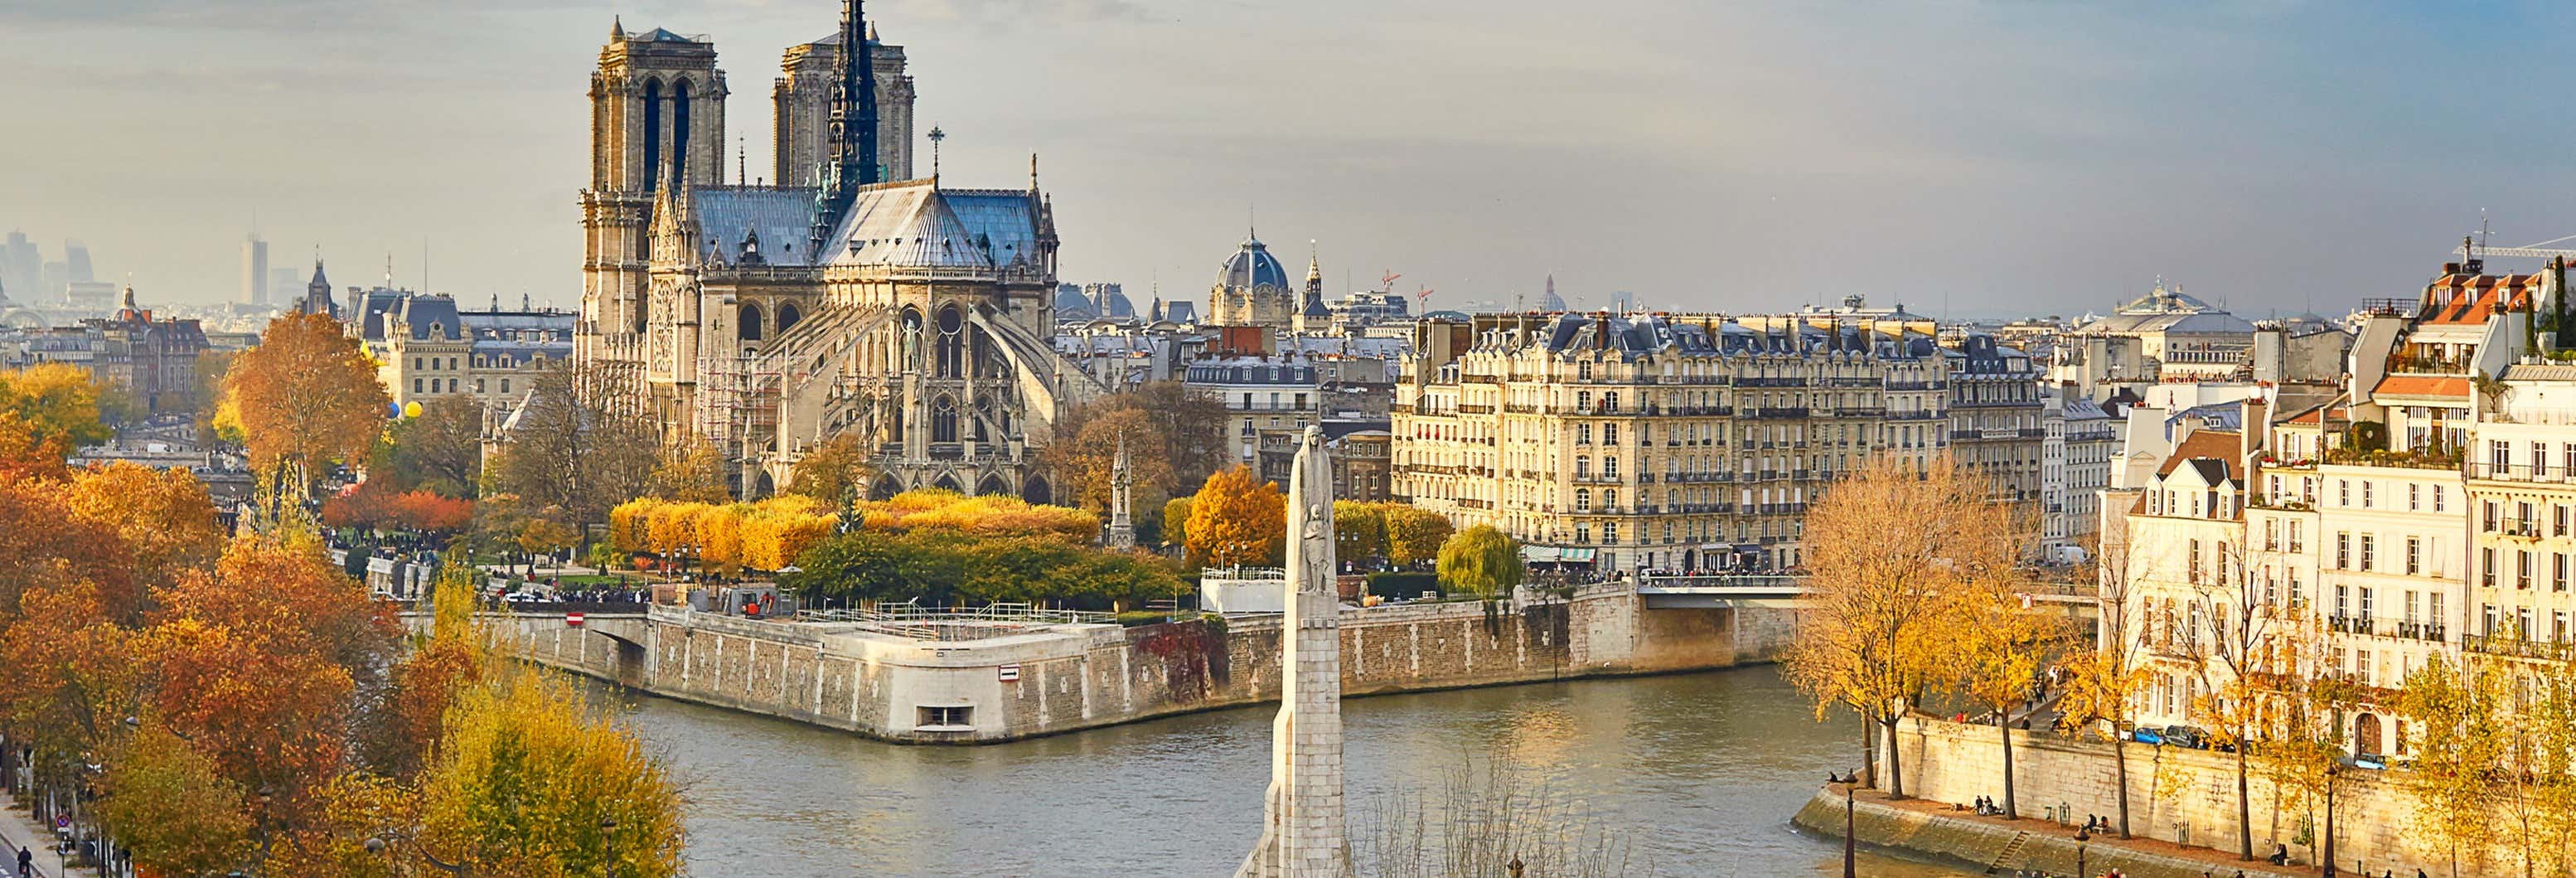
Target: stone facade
{"x":1683,"y":442}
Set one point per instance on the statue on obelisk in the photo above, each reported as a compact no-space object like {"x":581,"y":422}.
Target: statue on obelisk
{"x":1304,"y":833}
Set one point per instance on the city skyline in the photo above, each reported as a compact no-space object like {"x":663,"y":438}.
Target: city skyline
{"x":1719,"y":159}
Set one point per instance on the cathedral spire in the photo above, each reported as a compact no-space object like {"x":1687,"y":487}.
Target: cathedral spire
{"x":854,"y":112}
{"x":616,"y":28}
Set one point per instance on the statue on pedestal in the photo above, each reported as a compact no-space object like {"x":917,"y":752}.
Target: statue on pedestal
{"x":1304,"y":832}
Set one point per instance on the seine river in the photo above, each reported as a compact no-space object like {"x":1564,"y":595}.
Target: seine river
{"x":1700,"y":772}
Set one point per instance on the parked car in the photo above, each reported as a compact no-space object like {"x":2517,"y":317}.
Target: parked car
{"x":2187,"y":736}
{"x":2147,"y":735}
{"x":2372,"y":761}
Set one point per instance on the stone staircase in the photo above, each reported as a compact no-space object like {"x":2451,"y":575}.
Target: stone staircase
{"x":2011,"y":850}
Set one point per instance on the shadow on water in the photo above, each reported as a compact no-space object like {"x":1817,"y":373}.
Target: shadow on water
{"x":1701,"y":770}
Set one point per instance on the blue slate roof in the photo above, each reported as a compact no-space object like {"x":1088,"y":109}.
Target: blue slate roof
{"x":782,"y":216}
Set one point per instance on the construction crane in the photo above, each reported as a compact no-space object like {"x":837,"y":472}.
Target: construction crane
{"x":2470,"y":249}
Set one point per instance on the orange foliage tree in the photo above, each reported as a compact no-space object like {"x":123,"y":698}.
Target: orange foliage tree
{"x":1237,"y":519}
{"x":306,"y":395}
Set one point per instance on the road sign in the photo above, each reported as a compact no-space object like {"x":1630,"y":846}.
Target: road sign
{"x":1010,"y":673}
{"x":572,"y":620}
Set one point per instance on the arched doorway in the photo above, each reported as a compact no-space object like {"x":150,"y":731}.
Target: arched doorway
{"x":991,"y":485}
{"x":949,"y":483}
{"x":885,"y":488}
{"x":1035,"y":490}
{"x":2365,"y":734}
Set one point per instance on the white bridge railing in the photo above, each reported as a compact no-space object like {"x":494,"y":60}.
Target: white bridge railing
{"x":911,"y":620}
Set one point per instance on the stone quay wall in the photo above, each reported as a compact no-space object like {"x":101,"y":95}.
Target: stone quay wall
{"x":2176,"y":794}
{"x":1073,"y":677}
{"x":2006,"y":848}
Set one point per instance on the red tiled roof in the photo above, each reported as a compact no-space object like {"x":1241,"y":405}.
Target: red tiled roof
{"x":2422,"y":385}
{"x":2477,"y":298}
{"x":2222,"y":445}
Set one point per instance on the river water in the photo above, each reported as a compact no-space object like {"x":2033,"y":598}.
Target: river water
{"x":1697,"y":773}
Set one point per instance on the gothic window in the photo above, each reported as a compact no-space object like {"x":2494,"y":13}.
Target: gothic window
{"x":749,"y":328}
{"x":788,"y":315}
{"x":943,"y":420}
{"x":652,"y":134}
{"x":680,"y":133}
{"x":952,"y":345}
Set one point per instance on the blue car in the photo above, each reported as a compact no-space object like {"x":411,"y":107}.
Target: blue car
{"x":2144,"y":735}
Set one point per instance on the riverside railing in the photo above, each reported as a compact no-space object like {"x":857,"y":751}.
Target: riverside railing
{"x":953,"y":623}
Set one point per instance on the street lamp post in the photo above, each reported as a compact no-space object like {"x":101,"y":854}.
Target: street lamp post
{"x":2330,"y":828}
{"x":2083,"y":837}
{"x":1851,"y":859}
{"x":608,"y":839}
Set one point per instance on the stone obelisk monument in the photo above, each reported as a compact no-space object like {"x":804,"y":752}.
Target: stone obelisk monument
{"x":1303,"y":833}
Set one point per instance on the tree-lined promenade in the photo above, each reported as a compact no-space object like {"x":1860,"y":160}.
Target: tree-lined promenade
{"x":1914,"y":610}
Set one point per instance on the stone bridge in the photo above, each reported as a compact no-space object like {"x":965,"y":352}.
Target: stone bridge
{"x":605,"y":640}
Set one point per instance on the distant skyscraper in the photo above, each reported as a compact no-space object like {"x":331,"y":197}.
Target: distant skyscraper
{"x":20,"y":265}
{"x":254,"y":271}
{"x":284,"y":286}
{"x":76,"y":262}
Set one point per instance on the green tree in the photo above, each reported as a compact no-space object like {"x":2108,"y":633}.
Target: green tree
{"x":1414,"y":536}
{"x":1176,"y":521}
{"x":1359,"y":531}
{"x":442,"y":450}
{"x":1481,"y":561}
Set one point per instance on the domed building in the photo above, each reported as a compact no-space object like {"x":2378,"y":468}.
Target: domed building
{"x":1252,"y":289}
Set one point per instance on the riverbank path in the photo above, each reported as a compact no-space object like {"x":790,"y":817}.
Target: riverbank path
{"x":18,"y":828}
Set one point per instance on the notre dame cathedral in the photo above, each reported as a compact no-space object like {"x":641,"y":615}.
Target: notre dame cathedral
{"x":846,"y":297}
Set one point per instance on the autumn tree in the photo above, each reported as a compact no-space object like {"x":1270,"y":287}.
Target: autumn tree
{"x":306,"y":396}
{"x":2002,"y":647}
{"x":1414,"y":536}
{"x":2456,"y":755}
{"x":693,"y":471}
{"x":1087,"y":460}
{"x":1890,"y":553}
{"x":1359,"y":531}
{"x":568,"y":452}
{"x":2234,"y":654}
{"x":1237,"y":520}
{"x":163,"y":521}
{"x":2102,"y":684}
{"x":1482,"y":561}
{"x":440,"y":451}
{"x":835,"y":469}
{"x":1188,"y":425}
{"x":529,"y":782}
{"x":170,"y":809}
{"x":47,"y":411}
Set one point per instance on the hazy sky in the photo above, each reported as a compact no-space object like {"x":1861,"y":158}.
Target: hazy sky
{"x":1983,"y":157}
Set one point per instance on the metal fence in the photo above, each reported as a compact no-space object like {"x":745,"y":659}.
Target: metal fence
{"x":953,"y":623}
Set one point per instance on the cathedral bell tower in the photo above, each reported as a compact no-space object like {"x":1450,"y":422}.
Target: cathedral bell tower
{"x":657,"y":115}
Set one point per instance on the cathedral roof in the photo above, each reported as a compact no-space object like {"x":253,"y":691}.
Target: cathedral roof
{"x":660,"y":35}
{"x":783,"y":217}
{"x":908,"y":225}
{"x":1252,"y":266}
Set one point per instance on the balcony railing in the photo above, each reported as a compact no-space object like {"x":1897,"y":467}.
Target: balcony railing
{"x":2520,"y":473}
{"x":2507,"y":645}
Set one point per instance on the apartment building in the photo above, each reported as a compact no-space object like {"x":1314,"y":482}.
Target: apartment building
{"x":1676,"y":442}
{"x":2521,"y":476}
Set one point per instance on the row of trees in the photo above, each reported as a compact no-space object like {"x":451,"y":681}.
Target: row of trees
{"x":766,"y":535}
{"x":215,"y":702}
{"x":1397,"y":534}
{"x":940,"y":567}
{"x":2495,"y":763}
{"x":1915,"y":597}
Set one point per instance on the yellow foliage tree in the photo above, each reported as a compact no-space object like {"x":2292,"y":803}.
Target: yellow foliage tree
{"x":171,"y":809}
{"x":527,"y":782}
{"x":1237,"y":519}
{"x":46,"y":412}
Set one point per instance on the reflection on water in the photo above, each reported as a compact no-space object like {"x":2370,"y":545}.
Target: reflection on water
{"x":1702,"y":770}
